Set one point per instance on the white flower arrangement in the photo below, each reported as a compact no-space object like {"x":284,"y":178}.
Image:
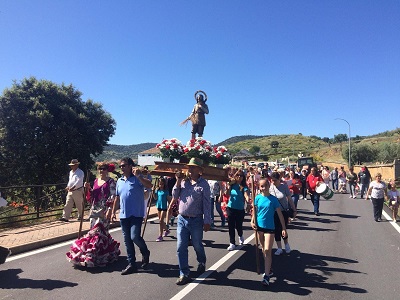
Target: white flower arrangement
{"x":170,"y":148}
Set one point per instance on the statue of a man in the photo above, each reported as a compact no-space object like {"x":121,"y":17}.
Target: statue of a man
{"x":197,"y":117}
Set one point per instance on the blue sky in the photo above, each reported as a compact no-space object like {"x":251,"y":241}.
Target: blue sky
{"x":268,"y":67}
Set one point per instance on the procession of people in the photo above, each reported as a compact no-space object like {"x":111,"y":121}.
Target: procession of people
{"x":268,"y":196}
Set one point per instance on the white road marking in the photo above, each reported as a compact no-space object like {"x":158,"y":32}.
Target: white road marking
{"x":187,"y":289}
{"x":33,"y":252}
{"x":388,"y":218}
{"x":395,"y":225}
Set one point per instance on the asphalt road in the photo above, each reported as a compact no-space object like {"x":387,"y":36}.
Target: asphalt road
{"x":342,"y":254}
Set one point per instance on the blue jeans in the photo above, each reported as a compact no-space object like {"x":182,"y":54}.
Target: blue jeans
{"x":335,"y":184}
{"x":315,"y":201}
{"x":219,"y":210}
{"x":189,"y":227}
{"x":131,"y":228}
{"x":295,"y":198}
{"x":352,"y":188}
{"x":363,"y":189}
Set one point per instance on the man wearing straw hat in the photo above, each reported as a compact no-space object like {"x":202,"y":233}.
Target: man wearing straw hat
{"x":75,"y":191}
{"x":194,"y":203}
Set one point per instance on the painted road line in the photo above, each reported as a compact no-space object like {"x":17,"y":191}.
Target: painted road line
{"x":52,"y":247}
{"x":187,"y":289}
{"x":387,"y":217}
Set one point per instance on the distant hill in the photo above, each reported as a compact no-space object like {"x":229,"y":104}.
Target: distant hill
{"x":116,"y":152}
{"x":236,"y":139}
{"x":290,"y":145}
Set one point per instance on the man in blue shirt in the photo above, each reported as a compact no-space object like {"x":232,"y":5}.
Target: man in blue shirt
{"x":130,"y":199}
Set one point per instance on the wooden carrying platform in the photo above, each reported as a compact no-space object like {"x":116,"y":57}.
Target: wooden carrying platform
{"x":170,"y":169}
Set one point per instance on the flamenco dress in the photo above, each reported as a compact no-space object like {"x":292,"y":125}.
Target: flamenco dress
{"x":97,"y":248}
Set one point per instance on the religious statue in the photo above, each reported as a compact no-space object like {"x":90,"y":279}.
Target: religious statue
{"x":197,"y":117}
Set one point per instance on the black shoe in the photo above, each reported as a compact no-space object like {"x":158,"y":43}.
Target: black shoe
{"x":145,"y":260}
{"x":377,"y":220}
{"x":182,"y":280}
{"x":129,"y":270}
{"x":63,"y":219}
{"x":317,"y":213}
{"x":201,"y":268}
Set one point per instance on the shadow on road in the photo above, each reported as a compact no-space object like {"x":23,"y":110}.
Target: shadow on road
{"x":296,"y":273}
{"x":11,"y":280}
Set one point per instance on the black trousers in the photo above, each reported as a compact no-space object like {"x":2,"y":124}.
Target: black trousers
{"x":235,"y":221}
{"x":278,"y":226}
{"x":377,"y":204}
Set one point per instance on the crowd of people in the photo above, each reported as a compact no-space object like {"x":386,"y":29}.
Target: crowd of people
{"x":269,"y":195}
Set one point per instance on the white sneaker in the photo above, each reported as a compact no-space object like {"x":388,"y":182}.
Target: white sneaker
{"x":287,"y":248}
{"x":279,"y":251}
{"x":231,"y":247}
{"x":241,"y":240}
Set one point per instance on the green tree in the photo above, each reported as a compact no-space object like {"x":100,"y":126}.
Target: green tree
{"x":315,"y":137}
{"x":340,"y":138}
{"x":254,"y":150}
{"x":274,"y":144}
{"x":360,"y":153}
{"x":326,"y":139}
{"x":43,"y":126}
{"x":388,"y":152}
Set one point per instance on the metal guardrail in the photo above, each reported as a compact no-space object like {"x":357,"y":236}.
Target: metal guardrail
{"x":37,"y":202}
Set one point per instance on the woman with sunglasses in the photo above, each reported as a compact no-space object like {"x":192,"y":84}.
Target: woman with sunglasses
{"x":97,"y":248}
{"x":378,"y":192}
{"x":238,"y":194}
{"x":101,"y":196}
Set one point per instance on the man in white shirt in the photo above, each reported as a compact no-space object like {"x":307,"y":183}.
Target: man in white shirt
{"x":75,"y":191}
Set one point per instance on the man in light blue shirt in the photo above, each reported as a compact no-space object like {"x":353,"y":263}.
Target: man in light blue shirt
{"x":130,"y":199}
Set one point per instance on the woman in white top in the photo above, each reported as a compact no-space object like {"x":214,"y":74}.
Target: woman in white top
{"x":326,"y":175}
{"x":378,"y":191}
{"x":280,"y":190}
{"x":394,"y":200}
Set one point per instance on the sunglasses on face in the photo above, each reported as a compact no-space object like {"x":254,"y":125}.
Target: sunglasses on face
{"x":102,"y":169}
{"x":122,"y":166}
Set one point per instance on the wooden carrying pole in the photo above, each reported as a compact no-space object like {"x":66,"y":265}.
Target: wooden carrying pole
{"x":152,"y":196}
{"x":253,"y":192}
{"x":83,"y":204}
